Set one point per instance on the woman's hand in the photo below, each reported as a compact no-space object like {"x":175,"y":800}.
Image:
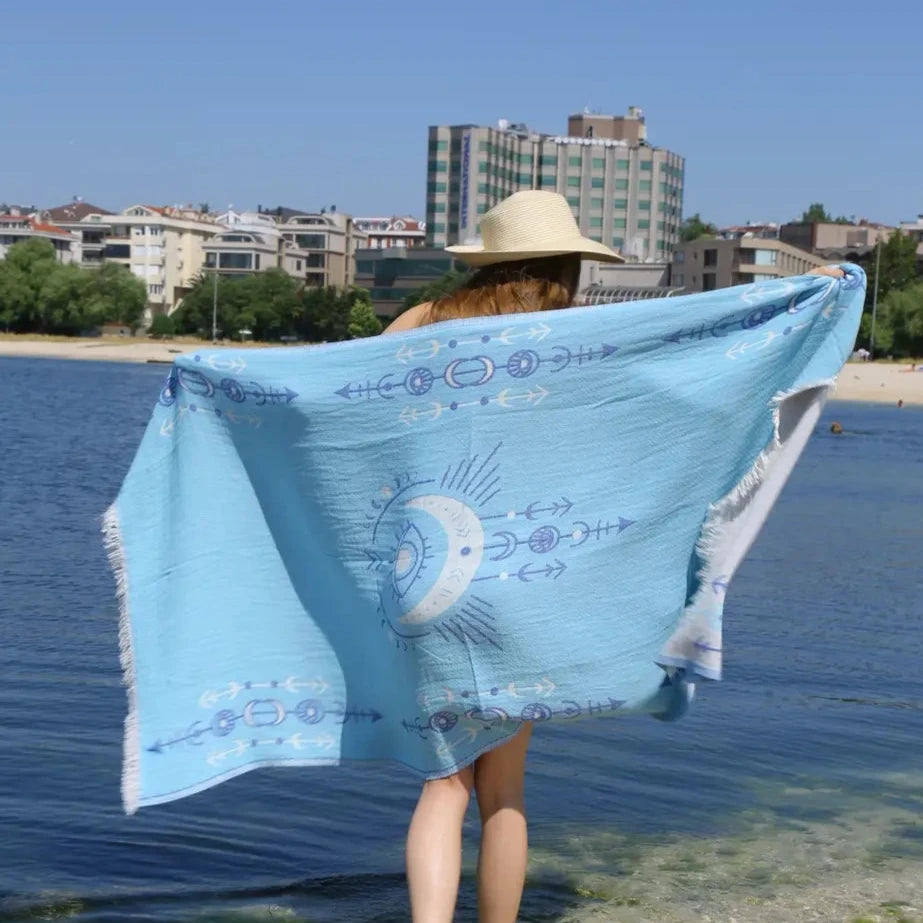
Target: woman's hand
{"x":834,"y":271}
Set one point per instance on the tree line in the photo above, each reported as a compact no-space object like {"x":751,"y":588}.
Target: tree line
{"x":38,"y":294}
{"x":895,"y":270}
{"x":272,"y":305}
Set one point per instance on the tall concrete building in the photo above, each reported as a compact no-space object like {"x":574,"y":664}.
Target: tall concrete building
{"x":623,"y":191}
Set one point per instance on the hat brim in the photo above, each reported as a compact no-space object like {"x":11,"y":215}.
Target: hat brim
{"x":475,"y":255}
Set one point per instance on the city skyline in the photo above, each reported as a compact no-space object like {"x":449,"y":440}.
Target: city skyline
{"x":334,"y":108}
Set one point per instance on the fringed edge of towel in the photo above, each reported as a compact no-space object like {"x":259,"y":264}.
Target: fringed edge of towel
{"x":131,"y":765}
{"x":711,"y":541}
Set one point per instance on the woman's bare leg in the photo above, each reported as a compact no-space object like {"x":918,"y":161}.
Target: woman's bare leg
{"x":499,"y":777}
{"x":434,"y":847}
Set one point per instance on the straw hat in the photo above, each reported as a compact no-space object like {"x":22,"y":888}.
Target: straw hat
{"x":528,"y":225}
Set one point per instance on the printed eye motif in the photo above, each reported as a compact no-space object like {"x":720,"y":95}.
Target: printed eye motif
{"x":410,"y":559}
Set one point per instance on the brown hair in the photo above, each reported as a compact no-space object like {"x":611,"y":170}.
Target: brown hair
{"x":541,"y":284}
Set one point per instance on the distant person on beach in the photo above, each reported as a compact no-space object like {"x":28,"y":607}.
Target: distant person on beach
{"x":529,"y":261}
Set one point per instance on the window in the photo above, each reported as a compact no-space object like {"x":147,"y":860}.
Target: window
{"x":618,"y":241}
{"x":315,"y":261}
{"x":439,"y":207}
{"x":644,"y":185}
{"x":138,"y":251}
{"x":619,"y":223}
{"x":154,"y":250}
{"x":678,"y":279}
{"x":710,"y":258}
{"x":482,"y":166}
{"x":315,"y":278}
{"x":621,"y":164}
{"x":573,"y":161}
{"x":235,"y":261}
{"x":154,"y":230}
{"x":138,"y":230}
{"x":765,"y":257}
{"x":573,"y":201}
{"x":438,"y":146}
{"x":660,"y":225}
{"x":620,"y":203}
{"x":483,"y":147}
{"x":644,"y":224}
{"x":661,"y":245}
{"x":482,"y":188}
{"x":597,"y":182}
{"x":644,"y":205}
{"x":573,"y":181}
{"x":549,"y":160}
{"x":525,"y":159}
{"x":311,"y":241}
{"x":646,"y":165}
{"x":482,"y":207}
{"x":708,"y":282}
{"x":117,"y":251}
{"x":438,"y":227}
{"x":596,"y":222}
{"x":547,"y":182}
{"x":599,"y":163}
{"x":436,"y":187}
{"x":524,"y":179}
{"x":138,"y":269}
{"x":155,"y":288}
{"x":256,"y":262}
{"x":438,"y":166}
{"x":621,"y":184}
{"x":210,"y":260}
{"x":298,"y":266}
{"x":596,"y":203}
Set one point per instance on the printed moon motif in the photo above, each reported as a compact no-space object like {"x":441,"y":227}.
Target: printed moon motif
{"x":465,"y":537}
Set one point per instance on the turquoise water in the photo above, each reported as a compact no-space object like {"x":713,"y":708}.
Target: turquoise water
{"x":793,"y":791}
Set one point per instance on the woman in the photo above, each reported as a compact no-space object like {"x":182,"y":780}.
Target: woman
{"x":530,"y":261}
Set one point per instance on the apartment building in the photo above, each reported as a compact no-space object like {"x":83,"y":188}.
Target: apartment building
{"x":623,"y":191}
{"x":710,"y":263}
{"x":821,"y":236}
{"x":88,"y":222}
{"x":161,"y":246}
{"x":327,"y":243}
{"x":385,"y":233}
{"x":18,"y":227}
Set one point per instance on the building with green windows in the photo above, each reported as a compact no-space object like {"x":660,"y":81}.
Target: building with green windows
{"x":623,"y":191}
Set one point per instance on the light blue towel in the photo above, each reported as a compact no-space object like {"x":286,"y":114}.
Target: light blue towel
{"x":400,"y":548}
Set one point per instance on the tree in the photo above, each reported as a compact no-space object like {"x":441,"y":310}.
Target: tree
{"x":26,"y":269}
{"x":451,"y":282}
{"x":325,"y":314}
{"x":694,"y":228}
{"x":816,"y":213}
{"x":65,"y":298}
{"x":902,"y":313}
{"x":897,"y":267}
{"x":162,"y":325}
{"x":362,"y":319}
{"x":116,"y":295}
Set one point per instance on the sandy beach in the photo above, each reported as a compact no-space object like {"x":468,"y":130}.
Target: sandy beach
{"x":885,"y":383}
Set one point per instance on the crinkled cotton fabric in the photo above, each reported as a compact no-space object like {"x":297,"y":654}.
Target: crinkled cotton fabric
{"x":401,"y":548}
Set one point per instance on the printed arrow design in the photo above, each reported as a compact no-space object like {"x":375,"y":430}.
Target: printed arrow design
{"x":225,"y":364}
{"x":210,"y":698}
{"x":296,"y":741}
{"x":427,"y":349}
{"x":533,"y":396}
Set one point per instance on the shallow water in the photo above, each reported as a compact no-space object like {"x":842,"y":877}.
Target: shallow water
{"x":793,"y":791}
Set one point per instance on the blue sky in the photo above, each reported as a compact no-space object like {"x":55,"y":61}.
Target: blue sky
{"x":310,"y":103}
